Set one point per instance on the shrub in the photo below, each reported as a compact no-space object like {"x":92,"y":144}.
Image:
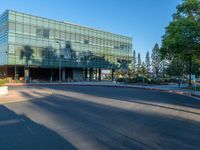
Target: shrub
{"x":121,"y":80}
{"x":2,"y":82}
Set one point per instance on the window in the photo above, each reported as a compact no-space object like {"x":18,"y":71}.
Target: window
{"x":63,"y":35}
{"x":57,"y":34}
{"x":26,"y":41}
{"x":33,"y":42}
{"x":51,"y":33}
{"x":12,"y":39}
{"x":27,"y":20}
{"x":19,"y":18}
{"x":11,"y":17}
{"x":18,"y":40}
{"x":26,"y":29}
{"x":39,"y":22}
{"x":86,"y":41}
{"x":33,"y":31}
{"x":42,"y":33}
{"x":46,"y":33}
{"x":39,"y":32}
{"x":45,"y":53}
{"x":18,"y":50}
{"x":11,"y":49}
{"x":39,"y":53}
{"x":45,"y":23}
{"x":33,"y":20}
{"x":11,"y":27}
{"x":19,"y":28}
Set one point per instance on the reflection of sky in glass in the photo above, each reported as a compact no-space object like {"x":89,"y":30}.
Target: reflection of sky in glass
{"x":80,"y":46}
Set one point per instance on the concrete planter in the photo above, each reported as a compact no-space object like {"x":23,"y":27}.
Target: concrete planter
{"x":3,"y":90}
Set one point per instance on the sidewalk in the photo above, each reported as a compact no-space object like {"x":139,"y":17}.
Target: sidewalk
{"x":24,"y":95}
{"x":178,"y":90}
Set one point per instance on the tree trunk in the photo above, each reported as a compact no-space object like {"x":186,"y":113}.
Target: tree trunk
{"x":190,"y":71}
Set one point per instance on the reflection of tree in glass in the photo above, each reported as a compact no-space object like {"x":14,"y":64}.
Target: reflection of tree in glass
{"x":45,"y":55}
{"x":123,"y":64}
{"x":85,"y":57}
{"x":51,"y":52}
{"x":90,"y":59}
{"x":27,"y":54}
{"x":68,"y":52}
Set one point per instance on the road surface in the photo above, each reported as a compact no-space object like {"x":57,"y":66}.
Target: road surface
{"x":101,"y":118}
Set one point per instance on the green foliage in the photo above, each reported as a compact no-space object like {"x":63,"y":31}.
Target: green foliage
{"x":141,"y":80}
{"x":138,"y":63}
{"x":181,"y":42}
{"x":182,"y":36}
{"x":156,"y":60}
{"x":176,"y":68}
{"x":134,"y":63}
{"x":27,"y":54}
{"x":2,"y":82}
{"x":147,"y":62}
{"x":143,"y":70}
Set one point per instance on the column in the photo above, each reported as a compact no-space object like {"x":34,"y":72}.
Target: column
{"x":86,"y":74}
{"x":96,"y":74}
{"x":99,"y":74}
{"x":26,"y":74}
{"x":16,"y":73}
{"x":113,"y":72}
{"x":91,"y":74}
{"x":63,"y":74}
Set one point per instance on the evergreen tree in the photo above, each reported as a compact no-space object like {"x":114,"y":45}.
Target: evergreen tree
{"x":163,"y":66}
{"x":138,"y":63}
{"x":143,"y":70}
{"x":134,"y":60}
{"x":134,"y":63}
{"x":156,"y":60}
{"x":147,"y":62}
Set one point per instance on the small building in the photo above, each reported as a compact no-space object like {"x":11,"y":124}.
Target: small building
{"x":36,"y":48}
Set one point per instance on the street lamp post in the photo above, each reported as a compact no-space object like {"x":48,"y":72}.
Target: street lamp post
{"x":15,"y":71}
{"x":59,"y":61}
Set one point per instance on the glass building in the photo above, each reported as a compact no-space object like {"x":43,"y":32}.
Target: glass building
{"x":33,"y":47}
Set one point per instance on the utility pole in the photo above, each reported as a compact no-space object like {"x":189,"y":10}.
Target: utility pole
{"x":59,"y":61}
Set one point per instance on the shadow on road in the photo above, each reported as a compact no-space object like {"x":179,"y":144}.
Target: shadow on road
{"x":94,"y":125}
{"x":136,"y":95}
{"x":114,"y":128}
{"x":18,"y":132}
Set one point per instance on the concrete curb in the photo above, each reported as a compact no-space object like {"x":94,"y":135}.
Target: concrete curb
{"x":190,"y":94}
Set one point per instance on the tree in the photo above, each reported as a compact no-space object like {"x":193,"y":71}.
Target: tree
{"x":147,"y":62}
{"x":132,"y":69}
{"x":163,"y":65}
{"x":143,"y":70}
{"x":156,"y":60}
{"x":176,"y":69}
{"x":182,"y":37}
{"x":134,"y":60}
{"x":138,"y":63}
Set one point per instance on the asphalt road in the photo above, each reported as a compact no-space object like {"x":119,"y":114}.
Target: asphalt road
{"x":101,"y":118}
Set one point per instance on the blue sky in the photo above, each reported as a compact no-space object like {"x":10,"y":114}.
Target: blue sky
{"x":143,"y":20}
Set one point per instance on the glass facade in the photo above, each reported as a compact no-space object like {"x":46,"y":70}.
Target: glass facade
{"x":37,"y":41}
{"x":3,"y":38}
